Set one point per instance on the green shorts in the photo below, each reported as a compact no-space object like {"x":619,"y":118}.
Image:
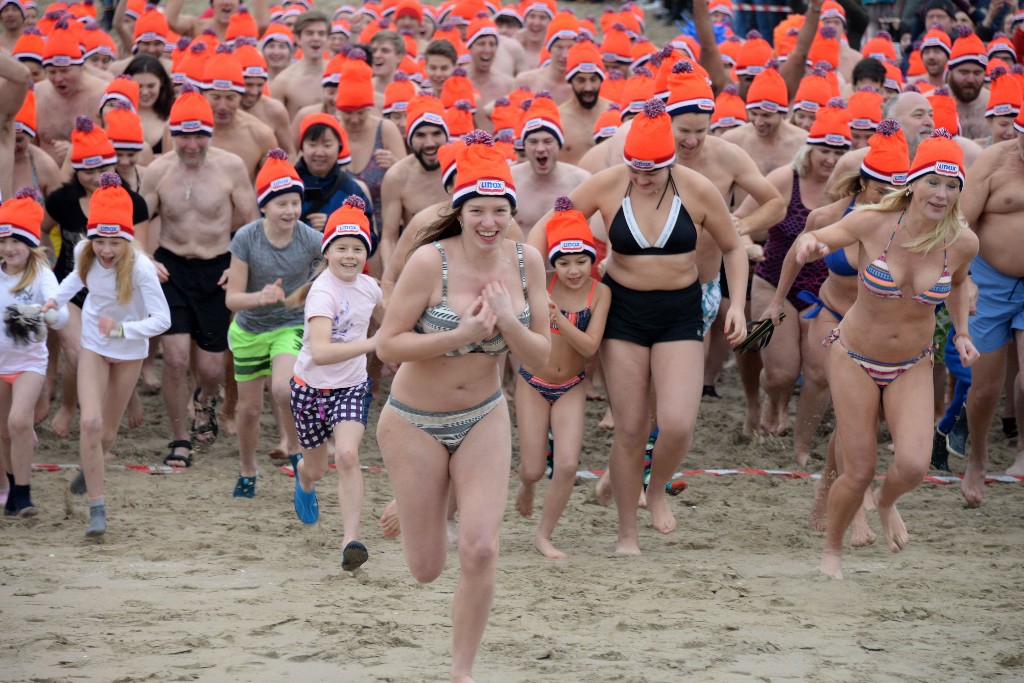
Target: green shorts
{"x":254,"y":352}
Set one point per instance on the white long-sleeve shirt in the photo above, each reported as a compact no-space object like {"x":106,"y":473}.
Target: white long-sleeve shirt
{"x":145,"y":315}
{"x":31,"y":357}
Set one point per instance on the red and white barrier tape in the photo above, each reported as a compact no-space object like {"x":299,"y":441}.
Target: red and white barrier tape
{"x":148,"y":469}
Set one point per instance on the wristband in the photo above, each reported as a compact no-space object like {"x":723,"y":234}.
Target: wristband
{"x":117,"y":332}
{"x":961,"y":334}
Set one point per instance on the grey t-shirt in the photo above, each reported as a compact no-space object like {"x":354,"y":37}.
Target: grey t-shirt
{"x":294,"y":264}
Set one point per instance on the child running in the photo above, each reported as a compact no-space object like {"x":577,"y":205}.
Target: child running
{"x":270,"y":256}
{"x":26,"y":282}
{"x":330,"y":389}
{"x":124,"y":308}
{"x":578,"y":307}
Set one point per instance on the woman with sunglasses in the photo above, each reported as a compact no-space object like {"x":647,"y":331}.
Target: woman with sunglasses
{"x":884,"y":169}
{"x":922,"y":249}
{"x":654,"y":335}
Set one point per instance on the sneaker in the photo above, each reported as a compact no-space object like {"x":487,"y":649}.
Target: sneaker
{"x":306,"y":506}
{"x":956,"y":440}
{"x":97,"y":521}
{"x":940,"y":458}
{"x":245,"y":487}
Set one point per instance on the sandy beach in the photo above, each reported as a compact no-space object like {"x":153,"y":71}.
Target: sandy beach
{"x":192,"y":585}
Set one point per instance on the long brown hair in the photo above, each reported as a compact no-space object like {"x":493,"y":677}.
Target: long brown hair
{"x":124,"y":269}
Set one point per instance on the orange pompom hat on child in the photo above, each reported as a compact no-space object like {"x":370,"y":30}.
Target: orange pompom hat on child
{"x":831,"y":127}
{"x":938,"y":154}
{"x":730,"y":109}
{"x":888,"y":158}
{"x":542,"y":116}
{"x":607,"y":122}
{"x":398,"y":93}
{"x":310,"y":120}
{"x":649,"y":143}
{"x":768,"y":91}
{"x":569,"y":232}
{"x":110,"y":210}
{"x":190,"y":114}
{"x":481,"y":171}
{"x":21,"y":217}
{"x":124,"y":89}
{"x":424,"y":110}
{"x":865,"y":108}
{"x":90,"y":146}
{"x":124,"y":128}
{"x":349,"y":220}
{"x":277,"y":178}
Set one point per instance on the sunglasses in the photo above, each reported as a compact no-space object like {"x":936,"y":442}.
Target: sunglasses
{"x":759,"y":333}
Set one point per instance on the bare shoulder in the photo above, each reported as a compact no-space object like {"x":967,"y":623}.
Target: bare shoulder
{"x":260,"y":130}
{"x":966,"y":245}
{"x":828,"y":214}
{"x":574,"y":173}
{"x":398,"y":171}
{"x":737,"y":135}
{"x":227,"y":161}
{"x":423,"y":261}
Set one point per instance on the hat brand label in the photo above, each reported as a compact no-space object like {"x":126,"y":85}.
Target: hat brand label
{"x":108,"y":229}
{"x":571,"y":246}
{"x":280,"y":183}
{"x":490,"y":186}
{"x":769,"y":106}
{"x":834,"y":139}
{"x":1002,"y":109}
{"x":222,"y":84}
{"x":642,"y":164}
{"x":705,"y":104}
{"x":96,"y":160}
{"x":191,"y":125}
{"x":899,"y":178}
{"x":5,"y":229}
{"x":946,"y":168}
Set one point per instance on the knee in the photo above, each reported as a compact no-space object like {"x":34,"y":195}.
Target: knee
{"x":425,"y":570}
{"x":282,"y":393}
{"x":914,"y":469}
{"x":315,"y":471}
{"x":346,"y":459}
{"x":91,"y":426}
{"x":210,"y":368}
{"x":531,"y":472}
{"x":249,"y":410}
{"x":17,"y":423}
{"x":858,"y":476}
{"x":778,"y":377}
{"x":175,"y":362}
{"x":478,"y":555}
{"x":632,"y":434}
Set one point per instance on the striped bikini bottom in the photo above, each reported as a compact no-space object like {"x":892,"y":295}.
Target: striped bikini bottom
{"x":882,"y":373}
{"x":450,"y":429}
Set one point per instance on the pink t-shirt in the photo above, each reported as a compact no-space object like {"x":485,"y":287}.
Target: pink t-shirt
{"x":349,"y":305}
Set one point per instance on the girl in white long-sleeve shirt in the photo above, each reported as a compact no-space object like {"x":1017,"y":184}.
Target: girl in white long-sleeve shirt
{"x":25,"y":279}
{"x":124,"y":308}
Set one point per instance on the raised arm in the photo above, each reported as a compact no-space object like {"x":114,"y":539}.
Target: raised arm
{"x":13,"y":85}
{"x":120,"y":26}
{"x":710,"y":57}
{"x":185,"y":24}
{"x":795,"y":65}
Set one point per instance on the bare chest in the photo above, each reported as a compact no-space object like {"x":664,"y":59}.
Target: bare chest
{"x":242,"y":142}
{"x":419,"y":191}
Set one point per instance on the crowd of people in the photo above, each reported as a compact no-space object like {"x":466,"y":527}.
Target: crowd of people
{"x":468,"y":204}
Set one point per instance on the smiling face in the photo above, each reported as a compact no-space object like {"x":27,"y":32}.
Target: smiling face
{"x":277,"y":54}
{"x":485,"y":219}
{"x":689,"y":131}
{"x":283,"y":211}
{"x":765,"y":122}
{"x":346,"y":257}
{"x":15,"y":253}
{"x":482,"y":52}
{"x":647,"y":182}
{"x":321,"y":154}
{"x":914,"y":113}
{"x":425,"y":142}
{"x":934,"y":60}
{"x":541,"y":150}
{"x":823,"y":160}
{"x":587,"y":88}
{"x":1001,"y":128}
{"x":385,"y":58}
{"x":573,"y":269}
{"x":312,"y":38}
{"x":89,"y":178}
{"x":935,"y":194}
{"x":109,"y":250}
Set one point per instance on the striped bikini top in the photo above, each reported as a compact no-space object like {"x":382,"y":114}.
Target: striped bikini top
{"x":878,"y":280}
{"x":581,"y":319}
{"x":440,"y":318}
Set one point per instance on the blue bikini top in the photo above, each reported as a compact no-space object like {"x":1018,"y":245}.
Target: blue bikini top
{"x":440,"y":318}
{"x":836,"y":260}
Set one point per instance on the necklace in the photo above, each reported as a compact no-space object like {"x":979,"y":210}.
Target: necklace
{"x":188,"y":187}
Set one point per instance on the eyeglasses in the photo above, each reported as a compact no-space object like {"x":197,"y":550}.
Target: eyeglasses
{"x":759,"y":333}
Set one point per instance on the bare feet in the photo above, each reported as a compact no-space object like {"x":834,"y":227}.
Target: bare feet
{"x":1017,"y":468}
{"x":662,"y":518}
{"x":893,"y":528}
{"x":136,"y":413}
{"x":802,"y":458}
{"x":972,"y":488}
{"x":524,"y":500}
{"x":149,"y":377}
{"x":61,"y":422}
{"x":603,"y":491}
{"x":751,"y":421}
{"x":462,"y":678}
{"x":607,"y":422}
{"x":279,"y":452}
{"x":831,"y":565}
{"x":545,"y":548}
{"x":642,"y":502}
{"x":774,"y":420}
{"x":627,"y":546}
{"x":389,"y":521}
{"x":860,"y":533}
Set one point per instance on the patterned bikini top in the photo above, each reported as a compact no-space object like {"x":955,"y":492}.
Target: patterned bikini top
{"x":581,"y":319}
{"x":440,"y":318}
{"x":878,"y":280}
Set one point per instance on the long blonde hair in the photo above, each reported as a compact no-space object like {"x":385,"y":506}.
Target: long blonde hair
{"x":37,"y":260}
{"x":945,"y":232}
{"x":124,"y":269}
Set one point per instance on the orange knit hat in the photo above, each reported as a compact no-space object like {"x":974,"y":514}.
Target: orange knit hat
{"x":649,"y":143}
{"x":729,"y":49}
{"x":150,"y":27}
{"x":893,"y":77}
{"x":1001,"y":45}
{"x":277,"y":178}
{"x":458,"y":87}
{"x":349,"y":220}
{"x":310,"y":120}
{"x":563,"y":26}
{"x":584,"y":58}
{"x":938,"y":154}
{"x":865,"y":109}
{"x":968,"y":49}
{"x":638,"y":90}
{"x":915,"y":65}
{"x":607,"y":122}
{"x":223,"y":72}
{"x":241,"y":25}
{"x":21,"y":217}
{"x":768,"y":91}
{"x":25,"y":119}
{"x":446,"y":156}
{"x":96,"y":41}
{"x":481,"y":171}
{"x":569,"y":232}
{"x":90,"y":146}
{"x":944,"y":114}
{"x":62,"y":48}
{"x":30,"y":46}
{"x":936,"y":37}
{"x":124,"y":128}
{"x":482,"y":25}
{"x":504,"y":116}
{"x":279,"y":32}
{"x":642,"y":51}
{"x":831,"y":9}
{"x":355,"y":85}
{"x":814,"y":91}
{"x":753,"y":56}
{"x":542,"y":116}
{"x":424,"y":110}
{"x":253,"y":63}
{"x":831,"y":127}
{"x":122,"y":89}
{"x":880,"y":47}
{"x":825,"y":47}
{"x":616,"y":46}
{"x":888,"y":157}
{"x":459,"y":118}
{"x":613,"y":87}
{"x":398,"y":93}
{"x":730,"y":110}
{"x":191,"y":68}
{"x":110,"y":210}
{"x":689,"y":93}
{"x":1005,"y":97}
{"x":190,"y":114}
{"x":1018,"y":123}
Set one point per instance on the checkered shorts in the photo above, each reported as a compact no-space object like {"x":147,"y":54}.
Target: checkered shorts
{"x":316,"y":411}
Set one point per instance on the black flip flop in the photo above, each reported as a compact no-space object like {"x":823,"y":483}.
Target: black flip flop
{"x":759,"y":333}
{"x":354,"y":556}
